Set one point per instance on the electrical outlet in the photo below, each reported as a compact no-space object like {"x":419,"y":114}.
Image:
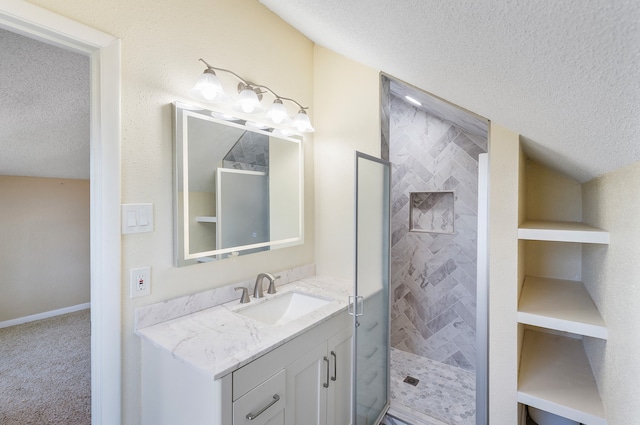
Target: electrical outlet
{"x":140,"y":282}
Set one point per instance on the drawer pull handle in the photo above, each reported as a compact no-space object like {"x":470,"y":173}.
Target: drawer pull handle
{"x":252,"y":416}
{"x":335,"y":366}
{"x":326,"y":384}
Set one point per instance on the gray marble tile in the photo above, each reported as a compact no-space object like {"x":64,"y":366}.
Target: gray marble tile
{"x":430,"y":154}
{"x":443,"y":319}
{"x":385,"y":98}
{"x":444,"y":395}
{"x":467,"y":145}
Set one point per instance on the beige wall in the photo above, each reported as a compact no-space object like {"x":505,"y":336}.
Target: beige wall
{"x":347,"y":118}
{"x":611,"y":274}
{"x":555,"y":197}
{"x":504,"y":215}
{"x":161,"y":44}
{"x":552,"y":195}
{"x":44,"y":248}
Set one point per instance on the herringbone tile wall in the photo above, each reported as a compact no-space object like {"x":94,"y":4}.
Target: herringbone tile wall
{"x":433,"y":275}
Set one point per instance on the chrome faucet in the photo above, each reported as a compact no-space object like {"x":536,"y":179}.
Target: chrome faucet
{"x":258,"y":290}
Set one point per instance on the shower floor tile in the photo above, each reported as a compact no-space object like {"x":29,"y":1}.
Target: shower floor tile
{"x":445,"y":395}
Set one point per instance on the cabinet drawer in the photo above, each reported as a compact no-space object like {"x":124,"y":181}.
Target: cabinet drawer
{"x":263,"y":403}
{"x":259,"y":370}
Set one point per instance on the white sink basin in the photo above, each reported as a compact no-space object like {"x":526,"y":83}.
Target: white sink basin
{"x":283,"y":308}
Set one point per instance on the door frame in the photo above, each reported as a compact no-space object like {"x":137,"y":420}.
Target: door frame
{"x":104,"y":52}
{"x":354,"y":301}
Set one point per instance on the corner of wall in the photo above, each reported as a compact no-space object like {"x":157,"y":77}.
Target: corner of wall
{"x":504,"y":202}
{"x":610,"y":274}
{"x":347,"y":118}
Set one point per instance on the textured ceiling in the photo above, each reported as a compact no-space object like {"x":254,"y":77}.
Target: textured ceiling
{"x":44,"y":109}
{"x":564,"y":74}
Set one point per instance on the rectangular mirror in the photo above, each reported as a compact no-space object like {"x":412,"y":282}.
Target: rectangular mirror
{"x":238,"y":189}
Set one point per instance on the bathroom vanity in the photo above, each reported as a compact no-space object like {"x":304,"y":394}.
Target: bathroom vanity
{"x":234,"y":364}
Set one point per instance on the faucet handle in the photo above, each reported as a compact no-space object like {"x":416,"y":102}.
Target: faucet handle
{"x":272,"y":285}
{"x":245,"y":295}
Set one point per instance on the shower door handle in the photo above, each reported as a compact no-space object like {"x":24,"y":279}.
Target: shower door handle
{"x":353,"y":309}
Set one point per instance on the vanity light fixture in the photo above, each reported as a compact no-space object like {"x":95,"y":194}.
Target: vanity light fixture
{"x":277,"y":113}
{"x":208,"y":88}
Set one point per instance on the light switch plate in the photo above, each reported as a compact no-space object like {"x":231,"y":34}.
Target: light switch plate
{"x":137,"y":218}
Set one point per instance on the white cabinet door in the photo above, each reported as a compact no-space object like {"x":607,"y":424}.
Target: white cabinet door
{"x":339,"y":391}
{"x":277,"y":420}
{"x":307,"y":378}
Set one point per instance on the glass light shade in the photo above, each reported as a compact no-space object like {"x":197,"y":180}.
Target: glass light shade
{"x":302,"y":122}
{"x":248,"y":101}
{"x":277,"y":113}
{"x":208,"y":87}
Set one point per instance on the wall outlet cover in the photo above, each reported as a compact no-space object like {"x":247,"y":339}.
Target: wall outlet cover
{"x":140,"y":282}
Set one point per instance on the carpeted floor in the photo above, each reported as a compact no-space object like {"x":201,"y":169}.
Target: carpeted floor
{"x":45,"y":371}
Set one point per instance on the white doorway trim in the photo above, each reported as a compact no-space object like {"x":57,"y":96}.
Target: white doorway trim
{"x":104,"y":51}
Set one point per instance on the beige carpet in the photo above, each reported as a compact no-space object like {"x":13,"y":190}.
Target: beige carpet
{"x":45,"y":371}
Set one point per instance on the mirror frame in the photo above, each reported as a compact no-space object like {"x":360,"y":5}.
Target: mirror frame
{"x":182,"y":254}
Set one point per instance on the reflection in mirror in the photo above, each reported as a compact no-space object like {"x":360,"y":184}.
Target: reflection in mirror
{"x":238,"y":189}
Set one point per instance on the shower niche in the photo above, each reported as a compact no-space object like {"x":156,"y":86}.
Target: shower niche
{"x":431,"y":212}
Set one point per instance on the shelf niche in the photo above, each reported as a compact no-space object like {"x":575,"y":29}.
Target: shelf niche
{"x":562,"y":305}
{"x":554,"y":371}
{"x":555,"y":376}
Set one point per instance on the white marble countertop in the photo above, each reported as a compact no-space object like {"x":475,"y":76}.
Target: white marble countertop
{"x":218,"y":341}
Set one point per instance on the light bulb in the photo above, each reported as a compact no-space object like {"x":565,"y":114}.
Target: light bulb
{"x":302,"y":122}
{"x":208,"y":86}
{"x":248,"y":101}
{"x":277,"y":113}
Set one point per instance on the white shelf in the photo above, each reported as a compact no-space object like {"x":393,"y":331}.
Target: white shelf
{"x":206,"y":219}
{"x":555,"y":376}
{"x":562,"y":232}
{"x":563,"y":305}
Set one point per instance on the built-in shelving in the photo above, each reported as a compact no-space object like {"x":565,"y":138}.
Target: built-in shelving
{"x":555,"y":376}
{"x":554,"y":371}
{"x":206,"y":219}
{"x":562,"y":232}
{"x":563,"y":305}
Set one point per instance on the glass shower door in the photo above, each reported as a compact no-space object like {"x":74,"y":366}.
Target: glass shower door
{"x":370,"y":303}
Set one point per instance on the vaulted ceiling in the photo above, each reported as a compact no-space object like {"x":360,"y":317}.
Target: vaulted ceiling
{"x":564,"y":74}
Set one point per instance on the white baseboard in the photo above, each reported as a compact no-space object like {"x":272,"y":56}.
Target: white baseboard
{"x":45,"y":315}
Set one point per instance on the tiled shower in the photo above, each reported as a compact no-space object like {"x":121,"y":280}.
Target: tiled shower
{"x":433,"y":272}
{"x":434,"y":203}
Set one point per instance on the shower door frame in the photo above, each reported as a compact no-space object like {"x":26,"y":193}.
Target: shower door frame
{"x":354,"y":301}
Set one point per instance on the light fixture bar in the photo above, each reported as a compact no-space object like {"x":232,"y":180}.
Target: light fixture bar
{"x":209,"y":89}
